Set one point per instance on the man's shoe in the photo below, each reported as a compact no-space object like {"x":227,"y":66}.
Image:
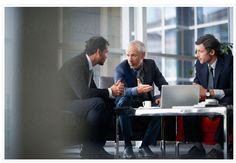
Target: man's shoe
{"x":194,"y":153}
{"x":145,"y":152}
{"x":95,"y":153}
{"x":215,"y":154}
{"x":128,"y":153}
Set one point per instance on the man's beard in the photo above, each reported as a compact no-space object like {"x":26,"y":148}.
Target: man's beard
{"x":101,"y":63}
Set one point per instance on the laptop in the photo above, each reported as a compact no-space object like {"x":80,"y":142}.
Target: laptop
{"x":179,"y":95}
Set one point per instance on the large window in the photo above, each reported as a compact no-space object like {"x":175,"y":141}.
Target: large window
{"x":172,"y":31}
{"x":154,"y":17}
{"x":168,"y":32}
{"x":211,"y":14}
{"x":154,"y":41}
{"x":220,"y":31}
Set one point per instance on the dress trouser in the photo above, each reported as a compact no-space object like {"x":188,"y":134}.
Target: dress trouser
{"x":152,"y":130}
{"x":192,"y":128}
{"x":96,"y":115}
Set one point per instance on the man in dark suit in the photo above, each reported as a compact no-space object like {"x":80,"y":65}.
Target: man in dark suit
{"x":94,"y":106}
{"x":138,"y":75}
{"x":214,"y":74}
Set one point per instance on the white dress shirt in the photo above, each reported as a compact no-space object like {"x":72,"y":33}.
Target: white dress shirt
{"x":219,"y":93}
{"x":91,"y":69}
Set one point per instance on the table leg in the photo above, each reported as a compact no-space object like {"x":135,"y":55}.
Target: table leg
{"x":176,"y":141}
{"x":117,"y":137}
{"x":225,"y":135}
{"x":163,"y":146}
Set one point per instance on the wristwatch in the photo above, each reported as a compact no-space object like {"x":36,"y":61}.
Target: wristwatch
{"x":208,"y":94}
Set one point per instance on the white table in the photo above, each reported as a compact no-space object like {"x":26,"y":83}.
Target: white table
{"x":177,"y":111}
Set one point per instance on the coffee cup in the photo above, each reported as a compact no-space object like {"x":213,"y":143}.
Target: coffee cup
{"x":211,"y":101}
{"x":147,"y":104}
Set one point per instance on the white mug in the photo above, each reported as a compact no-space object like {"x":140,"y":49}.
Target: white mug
{"x":212,"y":101}
{"x":147,"y":104}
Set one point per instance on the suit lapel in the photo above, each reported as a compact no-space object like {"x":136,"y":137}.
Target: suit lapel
{"x":218,"y":69}
{"x":145,"y":71}
{"x":205,"y":77}
{"x":86,"y":67}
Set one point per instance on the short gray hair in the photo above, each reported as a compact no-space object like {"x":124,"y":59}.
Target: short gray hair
{"x":139,"y":45}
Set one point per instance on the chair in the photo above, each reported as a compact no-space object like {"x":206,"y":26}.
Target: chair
{"x":105,"y":81}
{"x":75,"y":128}
{"x":209,"y":129}
{"x":139,"y":129}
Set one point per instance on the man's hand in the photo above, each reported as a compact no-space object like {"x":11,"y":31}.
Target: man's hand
{"x":118,"y":88}
{"x":158,"y":101}
{"x":143,"y":88}
{"x":202,"y":92}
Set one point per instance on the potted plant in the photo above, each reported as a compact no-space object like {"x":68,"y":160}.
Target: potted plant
{"x":226,"y":48}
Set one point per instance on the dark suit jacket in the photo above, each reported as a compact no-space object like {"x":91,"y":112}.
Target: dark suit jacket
{"x":152,"y":75}
{"x":223,"y":76}
{"x":75,"y":74}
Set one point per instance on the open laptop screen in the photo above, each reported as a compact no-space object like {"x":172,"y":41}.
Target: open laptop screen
{"x":179,"y":95}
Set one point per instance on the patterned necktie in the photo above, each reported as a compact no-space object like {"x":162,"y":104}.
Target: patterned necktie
{"x":140,"y":76}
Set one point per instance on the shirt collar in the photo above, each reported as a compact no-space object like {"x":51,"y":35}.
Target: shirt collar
{"x":89,"y":62}
{"x":140,"y":67}
{"x":213,"y":65}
